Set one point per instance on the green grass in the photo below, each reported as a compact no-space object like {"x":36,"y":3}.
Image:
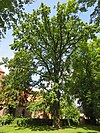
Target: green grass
{"x":37,"y":129}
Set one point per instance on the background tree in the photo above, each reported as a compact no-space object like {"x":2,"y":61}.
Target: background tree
{"x":69,"y":110}
{"x":18,"y":80}
{"x":86,"y":78}
{"x":51,"y":41}
{"x":10,"y":12}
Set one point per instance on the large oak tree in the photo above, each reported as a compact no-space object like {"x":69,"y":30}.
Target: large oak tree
{"x":50,"y":42}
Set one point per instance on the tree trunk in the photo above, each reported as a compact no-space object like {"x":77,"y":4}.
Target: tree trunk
{"x":92,"y":120}
{"x":56,"y":104}
{"x":56,"y":118}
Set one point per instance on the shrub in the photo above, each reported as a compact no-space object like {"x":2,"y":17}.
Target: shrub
{"x":7,"y":119}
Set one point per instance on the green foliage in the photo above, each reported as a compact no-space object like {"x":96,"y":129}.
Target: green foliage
{"x":95,"y":15}
{"x":8,"y":10}
{"x":21,"y":121}
{"x":43,"y":102}
{"x":37,"y":105}
{"x":18,"y":80}
{"x":86,"y":79}
{"x":69,"y":110}
{"x":70,"y":113}
{"x":30,"y":122}
{"x":7,"y":119}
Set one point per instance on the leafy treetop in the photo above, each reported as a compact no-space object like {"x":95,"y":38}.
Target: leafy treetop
{"x":10,"y":12}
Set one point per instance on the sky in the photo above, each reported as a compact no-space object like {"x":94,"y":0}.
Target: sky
{"x":4,"y":43}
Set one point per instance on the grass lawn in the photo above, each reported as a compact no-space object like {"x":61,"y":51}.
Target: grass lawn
{"x":37,"y":129}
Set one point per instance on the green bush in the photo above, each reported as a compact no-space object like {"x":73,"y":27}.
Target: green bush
{"x":70,"y":113}
{"x":7,"y":119}
{"x":27,"y":122}
{"x":20,"y":121}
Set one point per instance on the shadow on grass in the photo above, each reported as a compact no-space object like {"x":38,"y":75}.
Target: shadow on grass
{"x":34,"y":124}
{"x":38,"y":128}
{"x":38,"y":125}
{"x":87,"y":132}
{"x":90,"y":127}
{"x":49,"y":128}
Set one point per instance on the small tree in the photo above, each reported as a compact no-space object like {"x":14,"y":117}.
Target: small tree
{"x":69,"y":110}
